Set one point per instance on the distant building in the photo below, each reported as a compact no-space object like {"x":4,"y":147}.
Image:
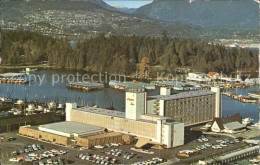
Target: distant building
{"x":198,"y":77}
{"x":213,"y":75}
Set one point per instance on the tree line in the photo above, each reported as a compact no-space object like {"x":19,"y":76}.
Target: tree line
{"x":122,"y":54}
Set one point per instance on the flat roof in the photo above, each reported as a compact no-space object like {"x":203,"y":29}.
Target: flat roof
{"x":87,"y":84}
{"x":182,"y":95}
{"x":68,"y":128}
{"x":102,"y":111}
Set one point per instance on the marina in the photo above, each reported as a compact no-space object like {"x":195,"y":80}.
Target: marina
{"x":104,"y":98}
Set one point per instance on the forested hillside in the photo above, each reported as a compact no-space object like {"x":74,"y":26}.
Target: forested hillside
{"x":121,"y":54}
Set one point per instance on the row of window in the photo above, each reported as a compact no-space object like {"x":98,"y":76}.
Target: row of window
{"x":118,"y":126}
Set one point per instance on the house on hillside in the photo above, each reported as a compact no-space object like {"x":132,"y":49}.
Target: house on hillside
{"x":213,"y":75}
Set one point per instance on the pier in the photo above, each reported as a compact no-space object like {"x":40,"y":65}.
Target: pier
{"x":238,"y":154}
{"x":241,"y":98}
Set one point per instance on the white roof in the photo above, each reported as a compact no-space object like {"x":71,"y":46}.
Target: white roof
{"x":234,"y":125}
{"x":68,"y":128}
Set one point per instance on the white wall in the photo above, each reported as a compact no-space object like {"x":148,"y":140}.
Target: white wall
{"x":218,"y":105}
{"x":165,"y":91}
{"x":135,"y":104}
{"x":166,"y":138}
{"x":178,"y":134}
{"x":161,"y":108}
{"x":69,"y":106}
{"x":149,"y":106}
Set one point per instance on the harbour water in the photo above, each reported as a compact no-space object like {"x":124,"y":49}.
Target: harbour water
{"x":105,"y":97}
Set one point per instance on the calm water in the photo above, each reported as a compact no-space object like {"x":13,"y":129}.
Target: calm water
{"x":103,"y":98}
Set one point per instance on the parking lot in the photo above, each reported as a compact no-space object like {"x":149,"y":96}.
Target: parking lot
{"x":72,"y":157}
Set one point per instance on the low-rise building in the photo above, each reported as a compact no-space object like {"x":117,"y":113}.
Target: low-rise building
{"x":230,"y":124}
{"x":198,"y":77}
{"x":213,"y":75}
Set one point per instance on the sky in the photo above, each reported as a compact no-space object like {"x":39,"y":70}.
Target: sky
{"x":128,"y":3}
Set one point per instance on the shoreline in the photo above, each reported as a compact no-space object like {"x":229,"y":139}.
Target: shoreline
{"x":25,"y":66}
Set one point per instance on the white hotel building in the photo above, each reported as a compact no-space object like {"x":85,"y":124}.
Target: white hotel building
{"x":138,"y":119}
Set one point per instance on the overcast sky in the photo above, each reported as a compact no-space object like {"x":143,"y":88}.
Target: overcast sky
{"x":128,"y":3}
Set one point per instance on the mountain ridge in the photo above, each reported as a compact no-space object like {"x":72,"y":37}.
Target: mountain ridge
{"x":204,"y":13}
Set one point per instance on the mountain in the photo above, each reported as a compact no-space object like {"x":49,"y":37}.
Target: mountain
{"x":124,"y":9}
{"x":78,"y":18}
{"x":81,"y":19}
{"x":204,"y":13}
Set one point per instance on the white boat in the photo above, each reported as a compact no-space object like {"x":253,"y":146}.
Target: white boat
{"x":60,"y":106}
{"x":14,"y":160}
{"x":6,"y":99}
{"x":52,"y":105}
{"x":40,"y":108}
{"x":247,"y":121}
{"x":17,"y":112}
{"x":19,"y":102}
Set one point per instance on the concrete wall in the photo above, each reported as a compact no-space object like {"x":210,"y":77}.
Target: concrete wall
{"x":69,"y":106}
{"x":123,"y":125}
{"x":135,"y":104}
{"x":161,"y":113}
{"x":178,"y":134}
{"x":167,"y":135}
{"x":45,"y":136}
{"x":99,"y":140}
{"x":149,"y":106}
{"x":218,"y":106}
{"x":165,"y":91}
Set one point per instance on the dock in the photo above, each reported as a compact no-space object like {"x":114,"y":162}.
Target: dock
{"x":238,"y":155}
{"x":241,"y":98}
{"x":14,"y":78}
{"x":86,"y":86}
